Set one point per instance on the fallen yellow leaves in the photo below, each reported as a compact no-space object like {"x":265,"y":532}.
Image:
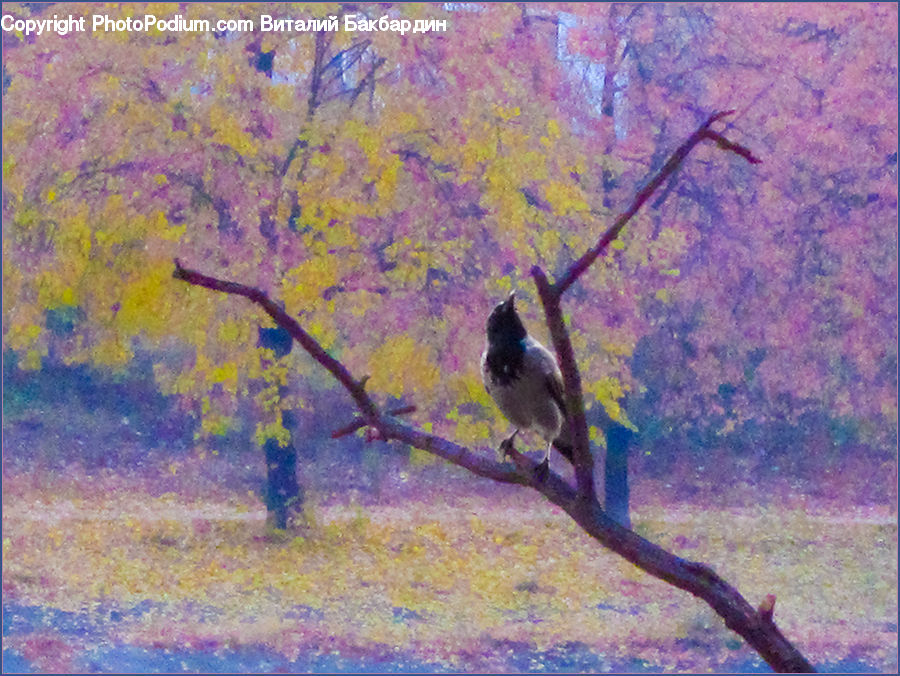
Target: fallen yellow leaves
{"x":423,"y":574}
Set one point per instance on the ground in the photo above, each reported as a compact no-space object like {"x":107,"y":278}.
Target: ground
{"x":101,"y":572}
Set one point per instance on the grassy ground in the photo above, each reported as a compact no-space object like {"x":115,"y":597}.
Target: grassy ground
{"x":461,"y":581}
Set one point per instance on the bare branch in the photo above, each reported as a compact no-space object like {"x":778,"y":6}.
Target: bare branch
{"x":756,"y":626}
{"x":388,"y":428}
{"x":725,"y":144}
{"x":359,"y":423}
{"x":291,"y":155}
{"x":349,"y":429}
{"x":696,"y":578}
{"x":565,"y":355}
{"x":551,"y":295}
{"x":288,"y":323}
{"x":323,"y":41}
{"x":219,"y":204}
{"x":582,"y":264}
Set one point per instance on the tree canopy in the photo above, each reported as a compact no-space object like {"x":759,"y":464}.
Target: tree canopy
{"x":389,"y":188}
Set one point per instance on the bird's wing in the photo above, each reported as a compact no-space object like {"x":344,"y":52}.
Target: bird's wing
{"x":545,"y":360}
{"x":485,"y":372}
{"x":555,"y":387}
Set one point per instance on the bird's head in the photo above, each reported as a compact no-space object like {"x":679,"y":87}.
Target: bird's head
{"x":503,"y":324}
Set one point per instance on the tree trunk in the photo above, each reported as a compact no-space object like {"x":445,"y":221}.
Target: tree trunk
{"x":283,"y":494}
{"x":616,"y":493}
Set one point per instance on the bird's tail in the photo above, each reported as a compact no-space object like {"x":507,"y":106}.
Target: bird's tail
{"x":563,"y":443}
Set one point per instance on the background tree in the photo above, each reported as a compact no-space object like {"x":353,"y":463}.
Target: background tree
{"x":399,"y":152}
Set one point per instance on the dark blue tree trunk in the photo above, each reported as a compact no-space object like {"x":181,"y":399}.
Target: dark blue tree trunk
{"x":283,"y":494}
{"x":618,"y":443}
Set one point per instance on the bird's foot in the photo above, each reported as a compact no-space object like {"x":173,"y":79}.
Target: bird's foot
{"x":506,"y":447}
{"x":541,"y":471}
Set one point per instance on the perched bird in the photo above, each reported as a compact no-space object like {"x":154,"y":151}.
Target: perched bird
{"x":524,"y":380}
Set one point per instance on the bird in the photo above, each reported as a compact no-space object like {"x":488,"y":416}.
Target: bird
{"x":524,"y":380}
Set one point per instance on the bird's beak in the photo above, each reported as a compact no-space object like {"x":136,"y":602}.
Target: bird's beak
{"x":511,"y":298}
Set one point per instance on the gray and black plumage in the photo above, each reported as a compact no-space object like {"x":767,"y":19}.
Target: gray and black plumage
{"x":524,"y":380}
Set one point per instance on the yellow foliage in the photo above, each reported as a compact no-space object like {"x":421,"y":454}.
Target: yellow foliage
{"x":121,"y":225}
{"x":506,"y":114}
{"x":146,"y":303}
{"x":617,"y":349}
{"x":273,"y":430}
{"x":532,"y":166}
{"x":405,"y":122}
{"x":111,"y":352}
{"x":477,"y":150}
{"x":565,"y":198}
{"x":304,"y":283}
{"x":324,"y":331}
{"x":553,"y":134}
{"x":260,"y":357}
{"x":474,"y":567}
{"x":229,"y":131}
{"x":216,"y":424}
{"x":234,"y":332}
{"x":553,"y":129}
{"x":499,"y":287}
{"x":400,"y":365}
{"x":73,"y":241}
{"x":332,"y":164}
{"x":387,"y":182}
{"x":472,"y":389}
{"x":53,"y":290}
{"x":361,"y":301}
{"x":366,"y":136}
{"x":608,"y":391}
{"x":21,"y":337}
{"x":418,"y":457}
{"x":269,"y":399}
{"x":280,"y":96}
{"x":27,"y":217}
{"x":32,"y":359}
{"x":227,"y":374}
{"x":159,"y":225}
{"x":547,"y":242}
{"x":275,"y":372}
{"x":502,"y":194}
{"x":472,"y":431}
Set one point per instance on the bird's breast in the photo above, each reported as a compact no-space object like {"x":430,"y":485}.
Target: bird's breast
{"x":525,"y":400}
{"x":502,"y":364}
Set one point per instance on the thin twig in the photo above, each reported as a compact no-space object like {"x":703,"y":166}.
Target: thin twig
{"x":551,"y":294}
{"x":582,"y":264}
{"x":767,"y":609}
{"x":359,"y":423}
